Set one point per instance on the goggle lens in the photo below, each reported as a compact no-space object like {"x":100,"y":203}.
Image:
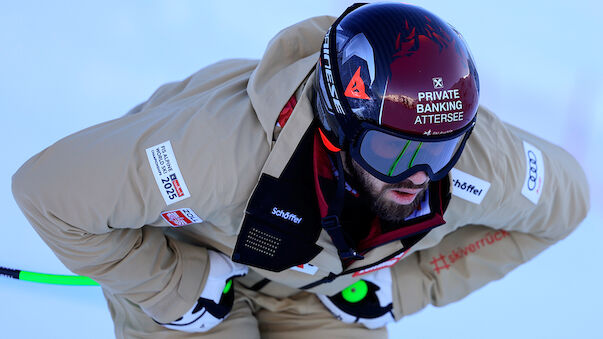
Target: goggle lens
{"x":390,"y":155}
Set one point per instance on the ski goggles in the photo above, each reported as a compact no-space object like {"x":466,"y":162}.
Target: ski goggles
{"x":392,"y":158}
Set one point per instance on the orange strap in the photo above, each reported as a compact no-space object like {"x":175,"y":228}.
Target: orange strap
{"x":327,"y":143}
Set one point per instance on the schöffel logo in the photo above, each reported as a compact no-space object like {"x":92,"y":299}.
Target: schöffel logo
{"x":468,"y":187}
{"x":286,"y":215}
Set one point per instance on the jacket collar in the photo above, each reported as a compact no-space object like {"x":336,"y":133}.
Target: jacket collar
{"x":288,"y":60}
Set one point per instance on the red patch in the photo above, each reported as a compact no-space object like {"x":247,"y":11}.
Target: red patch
{"x":355,"y":88}
{"x":181,"y":217}
{"x":388,"y":263}
{"x":306,"y":268}
{"x":178,"y":188}
{"x":286,"y":112}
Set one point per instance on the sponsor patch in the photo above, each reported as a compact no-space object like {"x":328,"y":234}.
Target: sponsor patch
{"x":388,"y":263}
{"x":468,"y":187}
{"x":181,"y":217}
{"x":167,"y":173}
{"x":440,"y":106}
{"x":305,"y":268}
{"x":286,"y":215}
{"x":532,"y":187}
{"x":444,"y":262}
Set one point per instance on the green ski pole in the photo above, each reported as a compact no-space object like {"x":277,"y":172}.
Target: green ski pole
{"x":44,"y":278}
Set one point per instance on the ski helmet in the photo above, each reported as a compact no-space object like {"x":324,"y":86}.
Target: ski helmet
{"x":397,"y":88}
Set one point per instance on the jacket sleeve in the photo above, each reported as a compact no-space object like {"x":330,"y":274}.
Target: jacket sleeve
{"x":482,"y":242}
{"x":92,"y":198}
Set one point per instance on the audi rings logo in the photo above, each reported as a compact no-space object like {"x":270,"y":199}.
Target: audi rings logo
{"x":534,"y":179}
{"x":533,"y":164}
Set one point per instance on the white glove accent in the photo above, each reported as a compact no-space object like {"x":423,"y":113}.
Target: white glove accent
{"x":373,"y":311}
{"x":221,"y":268}
{"x":214,"y":304}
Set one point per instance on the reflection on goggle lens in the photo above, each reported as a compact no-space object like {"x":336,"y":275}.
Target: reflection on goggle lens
{"x":392,"y":155}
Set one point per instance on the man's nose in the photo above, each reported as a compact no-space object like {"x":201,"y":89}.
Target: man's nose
{"x":418,"y":178}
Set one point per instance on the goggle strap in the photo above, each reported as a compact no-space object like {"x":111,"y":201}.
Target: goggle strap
{"x":330,"y":222}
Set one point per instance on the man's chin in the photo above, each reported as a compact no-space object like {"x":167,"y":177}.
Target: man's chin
{"x":392,"y":203}
{"x":397,"y":208}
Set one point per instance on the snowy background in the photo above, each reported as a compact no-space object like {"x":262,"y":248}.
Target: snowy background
{"x":65,"y":66}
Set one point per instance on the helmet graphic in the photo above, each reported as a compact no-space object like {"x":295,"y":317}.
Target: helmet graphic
{"x":396,"y":87}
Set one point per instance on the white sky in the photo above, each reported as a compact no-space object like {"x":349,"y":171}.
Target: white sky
{"x":65,"y":65}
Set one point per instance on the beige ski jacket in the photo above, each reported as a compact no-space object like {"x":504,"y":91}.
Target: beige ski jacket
{"x":135,"y":202}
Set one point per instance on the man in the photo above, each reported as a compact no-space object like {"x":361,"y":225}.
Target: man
{"x":292,"y":198}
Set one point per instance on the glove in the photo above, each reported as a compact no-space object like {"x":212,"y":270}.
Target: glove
{"x":217,"y":297}
{"x":368,"y":301}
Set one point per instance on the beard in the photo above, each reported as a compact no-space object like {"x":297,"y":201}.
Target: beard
{"x":376,"y":198}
